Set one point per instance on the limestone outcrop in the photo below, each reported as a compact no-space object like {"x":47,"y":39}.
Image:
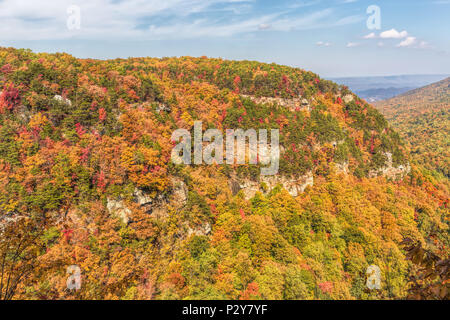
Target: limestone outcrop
{"x":294,"y":186}
{"x":389,"y":171}
{"x":295,"y":104}
{"x":154,"y":206}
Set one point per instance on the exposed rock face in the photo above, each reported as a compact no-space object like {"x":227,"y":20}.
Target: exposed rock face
{"x":119,"y":209}
{"x":77,"y":222}
{"x":348,"y":98}
{"x":342,"y":167}
{"x":235,"y":187}
{"x":63,"y":100}
{"x":295,"y":104}
{"x":142,"y":198}
{"x":158,"y":210}
{"x":202,"y":230}
{"x":5,"y":220}
{"x":163,"y":107}
{"x":305,"y":103}
{"x":389,"y":171}
{"x":294,"y":186}
{"x":156,"y":206}
{"x":179,"y":191}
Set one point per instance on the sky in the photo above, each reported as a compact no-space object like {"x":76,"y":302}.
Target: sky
{"x":334,"y":38}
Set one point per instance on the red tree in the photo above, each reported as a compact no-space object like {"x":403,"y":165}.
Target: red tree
{"x":9,"y":99}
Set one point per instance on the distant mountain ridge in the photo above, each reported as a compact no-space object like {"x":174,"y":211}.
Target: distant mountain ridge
{"x":380,"y":88}
{"x":440,"y":87}
{"x":373,"y":95}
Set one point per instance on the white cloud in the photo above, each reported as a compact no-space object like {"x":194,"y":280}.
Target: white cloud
{"x":350,"y":20}
{"x":46,"y":19}
{"x":393,"y":34}
{"x":153,"y":19}
{"x":412,"y":42}
{"x":408,"y":42}
{"x":300,"y":23}
{"x":275,"y":21}
{"x":302,"y":4}
{"x":323,"y":44}
{"x":202,"y":28}
{"x":352,"y":44}
{"x":264,"y":26}
{"x":370,"y":36}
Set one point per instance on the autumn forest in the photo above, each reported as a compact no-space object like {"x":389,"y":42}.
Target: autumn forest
{"x":86,"y":180}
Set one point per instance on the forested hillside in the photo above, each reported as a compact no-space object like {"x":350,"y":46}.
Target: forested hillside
{"x":86,"y":179}
{"x":422,"y":117}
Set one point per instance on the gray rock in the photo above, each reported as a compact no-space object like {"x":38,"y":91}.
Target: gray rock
{"x":292,"y":104}
{"x":62,"y":100}
{"x":179,"y":190}
{"x":348,"y":98}
{"x":389,"y":171}
{"x":142,"y":198}
{"x":294,"y":186}
{"x":202,"y":230}
{"x":163,"y":107}
{"x":119,"y":209}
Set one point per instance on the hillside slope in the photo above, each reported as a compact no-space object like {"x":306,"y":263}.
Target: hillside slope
{"x":86,"y":180}
{"x":422,"y":117}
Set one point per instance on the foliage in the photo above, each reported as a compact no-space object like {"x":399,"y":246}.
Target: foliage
{"x":80,"y":137}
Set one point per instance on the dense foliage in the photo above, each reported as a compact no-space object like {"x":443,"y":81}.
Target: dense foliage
{"x":77,"y":134}
{"x":422,"y":117}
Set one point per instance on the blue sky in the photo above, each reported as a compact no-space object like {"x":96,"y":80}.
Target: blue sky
{"x":329,"y":37}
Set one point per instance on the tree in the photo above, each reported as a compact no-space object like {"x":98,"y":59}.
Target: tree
{"x":20,"y":248}
{"x":430,"y":278}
